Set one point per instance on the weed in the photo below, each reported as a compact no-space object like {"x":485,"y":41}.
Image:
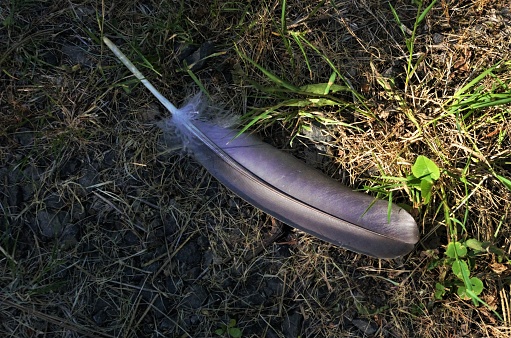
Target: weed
{"x":460,"y":257}
{"x":418,"y":183}
{"x":229,"y":330}
{"x":469,"y":287}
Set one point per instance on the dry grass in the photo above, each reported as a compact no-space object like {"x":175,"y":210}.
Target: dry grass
{"x":105,"y":232}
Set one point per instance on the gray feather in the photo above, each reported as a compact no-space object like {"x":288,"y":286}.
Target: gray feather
{"x":286,"y":188}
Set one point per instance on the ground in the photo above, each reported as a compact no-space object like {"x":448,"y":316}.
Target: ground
{"x":106,"y":230}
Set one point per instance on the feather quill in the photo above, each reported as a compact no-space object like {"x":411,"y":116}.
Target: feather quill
{"x":285,"y":187}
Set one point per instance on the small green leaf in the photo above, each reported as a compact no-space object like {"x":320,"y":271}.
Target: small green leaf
{"x":8,"y":21}
{"x":474,"y":244}
{"x":425,"y":187}
{"x":460,"y":269}
{"x":424,"y":167}
{"x":476,"y":287}
{"x":234,"y":332}
{"x":456,"y":249}
{"x":439,"y":291}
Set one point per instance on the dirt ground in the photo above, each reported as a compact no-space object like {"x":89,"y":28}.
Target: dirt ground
{"x":106,"y":231}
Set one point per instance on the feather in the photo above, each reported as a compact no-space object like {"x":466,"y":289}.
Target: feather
{"x":285,"y":187}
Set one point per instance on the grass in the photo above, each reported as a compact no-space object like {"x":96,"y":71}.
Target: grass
{"x":105,"y":232}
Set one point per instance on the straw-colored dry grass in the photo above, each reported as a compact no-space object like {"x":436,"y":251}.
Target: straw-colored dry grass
{"x":105,"y":232}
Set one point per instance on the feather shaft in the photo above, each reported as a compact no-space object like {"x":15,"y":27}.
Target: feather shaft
{"x":120,"y":55}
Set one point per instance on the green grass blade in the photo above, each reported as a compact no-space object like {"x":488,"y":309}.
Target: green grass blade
{"x":269,"y":74}
{"x":425,"y":12}
{"x":331,"y":82}
{"x":471,"y":84}
{"x":283,"y":25}
{"x":299,"y":43}
{"x":359,"y":96}
{"x":398,"y":20}
{"x":197,"y":81}
{"x":504,"y":180}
